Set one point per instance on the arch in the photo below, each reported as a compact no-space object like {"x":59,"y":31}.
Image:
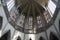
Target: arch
{"x":1,"y":21}
{"x":6,"y":36}
{"x":53,"y":36}
{"x":18,"y":38}
{"x":30,"y":39}
{"x":41,"y":38}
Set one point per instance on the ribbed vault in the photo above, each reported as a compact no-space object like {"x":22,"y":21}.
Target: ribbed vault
{"x":30,"y":17}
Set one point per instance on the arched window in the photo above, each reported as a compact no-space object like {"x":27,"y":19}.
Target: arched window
{"x":53,"y":36}
{"x":41,"y":38}
{"x":1,"y":21}
{"x":19,"y":38}
{"x":6,"y":36}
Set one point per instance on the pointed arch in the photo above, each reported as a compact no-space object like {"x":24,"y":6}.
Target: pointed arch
{"x":53,"y":36}
{"x":41,"y":38}
{"x":6,"y":36}
{"x":30,"y":39}
{"x":18,"y":38}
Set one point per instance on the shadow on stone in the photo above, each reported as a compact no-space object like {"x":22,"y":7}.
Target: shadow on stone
{"x":6,"y":36}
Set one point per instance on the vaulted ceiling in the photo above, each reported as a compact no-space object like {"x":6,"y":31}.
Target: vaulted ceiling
{"x":41,"y":2}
